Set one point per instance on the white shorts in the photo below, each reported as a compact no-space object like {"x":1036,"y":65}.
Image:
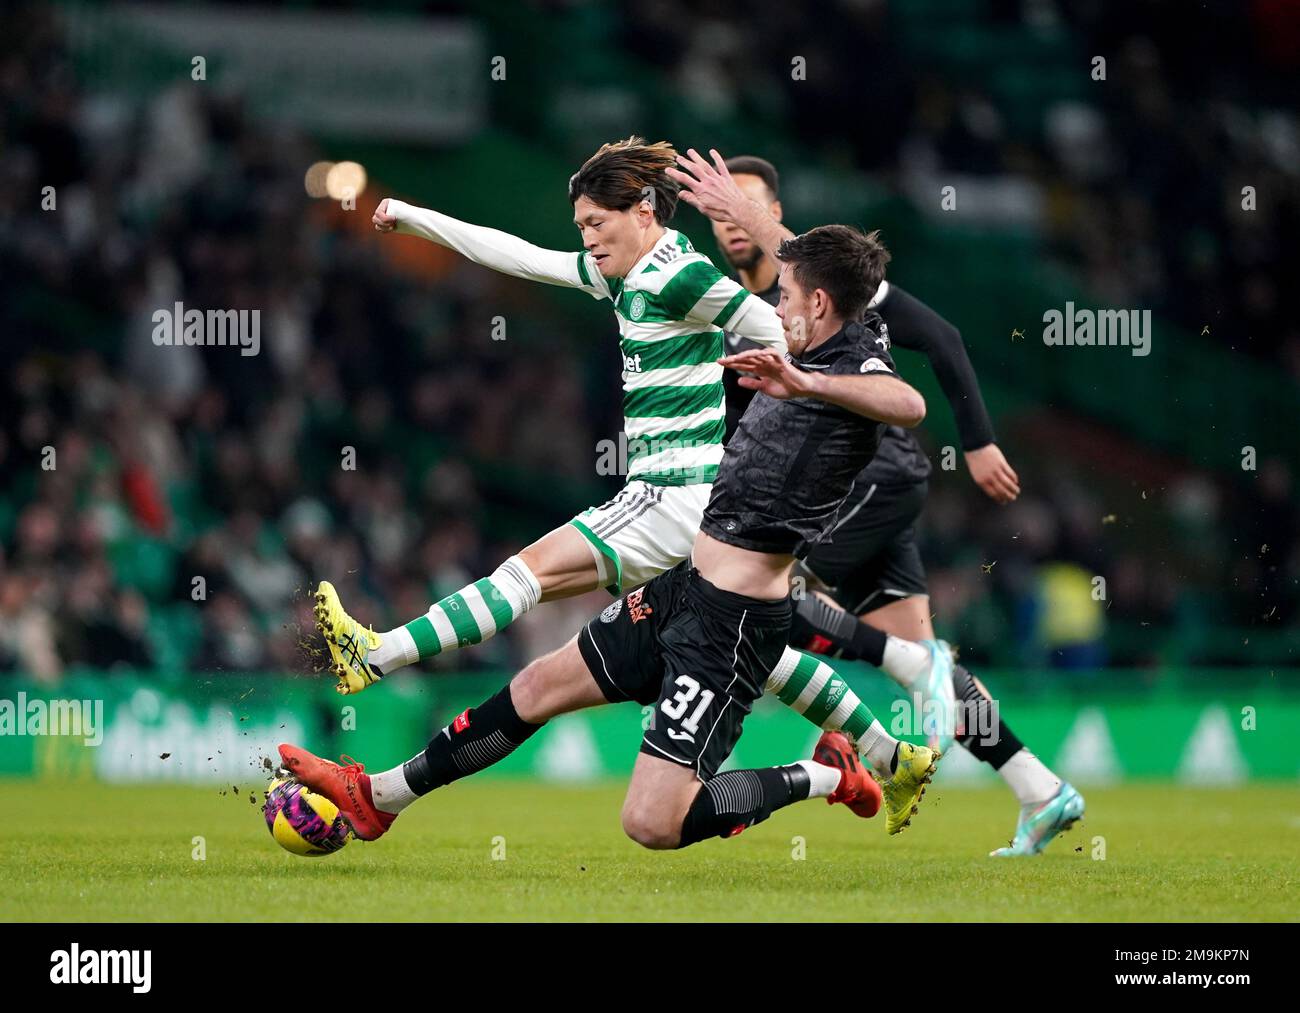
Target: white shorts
{"x":643,"y":531}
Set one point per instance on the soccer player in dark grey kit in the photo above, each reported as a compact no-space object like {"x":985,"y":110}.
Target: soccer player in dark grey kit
{"x":870,"y":599}
{"x":700,"y":640}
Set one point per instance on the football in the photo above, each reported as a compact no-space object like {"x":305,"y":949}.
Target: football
{"x":303,"y":822}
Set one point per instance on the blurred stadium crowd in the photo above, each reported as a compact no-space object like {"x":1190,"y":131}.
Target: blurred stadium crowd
{"x":1142,"y":181}
{"x":172,"y":464}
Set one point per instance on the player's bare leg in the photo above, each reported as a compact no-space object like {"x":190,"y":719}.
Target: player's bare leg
{"x":563,"y":563}
{"x":659,"y":796}
{"x":557,"y":683}
{"x":906,"y":618}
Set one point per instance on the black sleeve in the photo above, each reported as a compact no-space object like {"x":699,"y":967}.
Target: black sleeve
{"x":916,"y":327}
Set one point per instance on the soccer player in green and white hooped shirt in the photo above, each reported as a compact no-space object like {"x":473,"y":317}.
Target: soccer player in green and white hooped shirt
{"x":672,"y":306}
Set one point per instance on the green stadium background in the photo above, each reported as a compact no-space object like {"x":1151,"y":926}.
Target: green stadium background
{"x":1212,"y":698}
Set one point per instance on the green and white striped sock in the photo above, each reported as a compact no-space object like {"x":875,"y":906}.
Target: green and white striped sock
{"x":810,"y":687}
{"x":470,"y":616}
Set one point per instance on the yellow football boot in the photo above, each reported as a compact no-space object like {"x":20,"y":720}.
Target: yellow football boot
{"x":349,"y":642}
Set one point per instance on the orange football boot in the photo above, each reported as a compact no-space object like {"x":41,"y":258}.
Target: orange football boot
{"x":348,"y":787}
{"x":858,"y":789}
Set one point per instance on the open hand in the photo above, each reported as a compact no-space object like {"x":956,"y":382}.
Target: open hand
{"x":992,"y":473}
{"x":774,"y":374}
{"x":710,"y":189}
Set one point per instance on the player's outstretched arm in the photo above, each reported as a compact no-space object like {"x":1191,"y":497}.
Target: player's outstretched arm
{"x":884,"y":398}
{"x":880,"y":396}
{"x":917,"y":327}
{"x":712,"y":191}
{"x":490,"y":247}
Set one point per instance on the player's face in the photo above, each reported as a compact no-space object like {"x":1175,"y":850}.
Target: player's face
{"x":734,"y":242}
{"x":795,"y":310}
{"x":615,"y":239}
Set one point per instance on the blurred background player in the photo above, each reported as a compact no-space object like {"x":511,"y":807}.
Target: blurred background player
{"x":868,"y":591}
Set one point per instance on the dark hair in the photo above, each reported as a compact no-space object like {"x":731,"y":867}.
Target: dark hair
{"x":846,"y":264}
{"x":752,"y":165}
{"x":623,"y":173}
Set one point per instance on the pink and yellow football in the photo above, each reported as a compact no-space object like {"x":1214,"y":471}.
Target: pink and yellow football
{"x":302,"y":821}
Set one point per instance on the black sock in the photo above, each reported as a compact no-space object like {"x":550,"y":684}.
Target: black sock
{"x":730,"y":802}
{"x":977,"y":712}
{"x":823,"y":628}
{"x":477,"y":739}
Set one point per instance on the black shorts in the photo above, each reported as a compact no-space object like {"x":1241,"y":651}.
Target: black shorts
{"x":699,"y":654}
{"x":870,"y":557}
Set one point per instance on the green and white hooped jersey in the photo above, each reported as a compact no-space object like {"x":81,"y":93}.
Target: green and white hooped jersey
{"x":672,"y":309}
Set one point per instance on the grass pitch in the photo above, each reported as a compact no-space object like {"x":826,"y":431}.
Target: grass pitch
{"x":87,"y":852}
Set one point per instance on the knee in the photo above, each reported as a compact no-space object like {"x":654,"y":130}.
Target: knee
{"x":656,"y":830}
{"x":528,"y":692}
{"x":534,"y":558}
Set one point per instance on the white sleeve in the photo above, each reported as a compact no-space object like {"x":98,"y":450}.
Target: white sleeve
{"x":500,"y":250}
{"x":750,"y":316}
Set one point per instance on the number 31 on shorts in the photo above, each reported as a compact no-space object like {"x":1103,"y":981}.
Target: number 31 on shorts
{"x":688,"y":690}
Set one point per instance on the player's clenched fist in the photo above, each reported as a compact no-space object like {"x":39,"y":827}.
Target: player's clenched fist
{"x":384,"y":222}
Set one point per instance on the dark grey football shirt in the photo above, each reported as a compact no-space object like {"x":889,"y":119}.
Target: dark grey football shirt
{"x":910,"y":324}
{"x":790,"y":463}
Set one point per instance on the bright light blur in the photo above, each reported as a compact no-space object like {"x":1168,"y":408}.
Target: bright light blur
{"x":314,"y":180}
{"x":345,"y":179}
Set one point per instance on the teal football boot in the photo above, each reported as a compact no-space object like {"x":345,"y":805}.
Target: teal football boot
{"x":1035,"y":830}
